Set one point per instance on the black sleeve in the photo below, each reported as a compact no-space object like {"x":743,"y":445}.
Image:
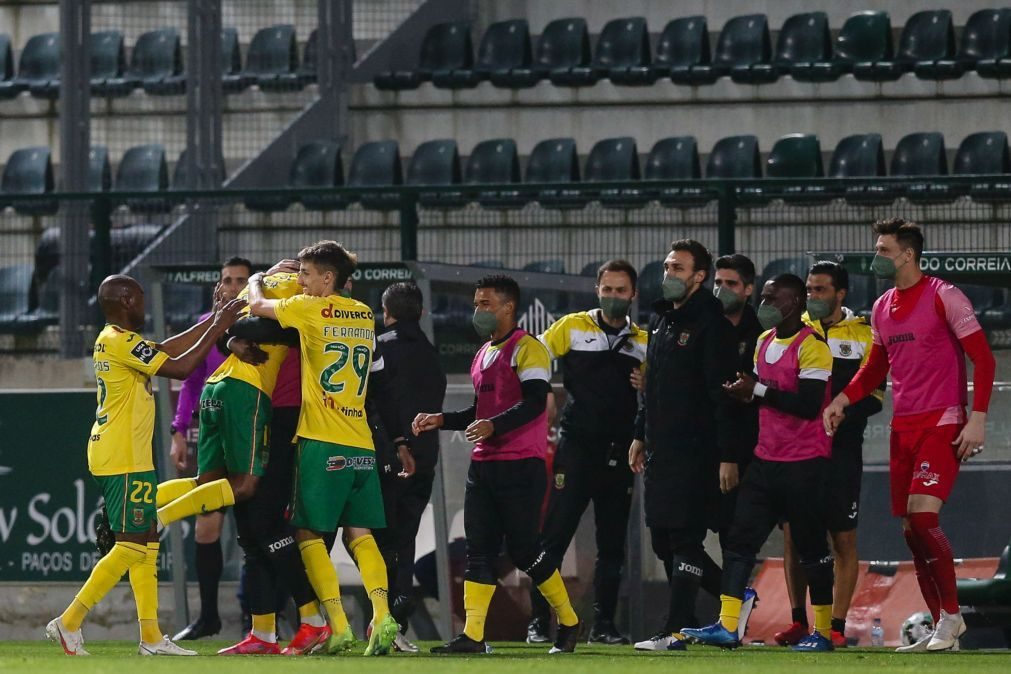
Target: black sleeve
{"x":458,"y":421}
{"x":535,"y":401}
{"x":805,"y":402}
{"x":263,"y":331}
{"x":223,"y":345}
{"x":864,"y":408}
{"x":719,"y":360}
{"x":393,"y":397}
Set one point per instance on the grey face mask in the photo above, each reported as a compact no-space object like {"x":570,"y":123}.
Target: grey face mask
{"x":730,"y":300}
{"x":484,"y":322}
{"x":674,"y":289}
{"x":884,"y":267}
{"x":614,"y":307}
{"x":769,"y":316}
{"x":819,"y":309}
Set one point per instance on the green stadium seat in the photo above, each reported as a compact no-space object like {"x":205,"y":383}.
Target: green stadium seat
{"x":985,"y":154}
{"x":318,"y":164}
{"x":865,"y":38}
{"x":683,"y":44}
{"x":928,"y":36}
{"x":623,"y":52}
{"x":612,"y":160}
{"x":233,"y":81}
{"x":99,"y":170}
{"x":677,"y":158}
{"x":564,"y":45}
{"x":447,"y":47}
{"x":179,"y":175}
{"x":108,"y":62}
{"x":8,"y":89}
{"x":495,"y":162}
{"x":505,"y":47}
{"x":157,"y":63}
{"x":936,"y":58}
{"x":545,"y":266}
{"x":751,"y":50}
{"x":998,"y":317}
{"x":861,"y":156}
{"x":437,"y":162}
{"x":29,"y":171}
{"x":803,"y":44}
{"x":986,"y":37}
{"x":15,"y":285}
{"x":39,"y":67}
{"x":735,"y":157}
{"x":377,"y":164}
{"x":798,"y":155}
{"x":591,"y":268}
{"x":649,"y":289}
{"x":923,"y":154}
{"x":128,"y":242}
{"x":992,"y":592}
{"x":143,"y":169}
{"x":555,"y":161}
{"x":272,"y":60}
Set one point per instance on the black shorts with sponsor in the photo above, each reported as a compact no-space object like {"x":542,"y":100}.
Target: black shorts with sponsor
{"x":842,"y":502}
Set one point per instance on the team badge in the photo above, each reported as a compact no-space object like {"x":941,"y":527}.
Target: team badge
{"x":559,"y":480}
{"x":845,"y":350}
{"x":741,"y":348}
{"x":684,"y":337}
{"x":138,"y":516}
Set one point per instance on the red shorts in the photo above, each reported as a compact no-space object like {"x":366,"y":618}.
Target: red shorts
{"x":923,"y":461}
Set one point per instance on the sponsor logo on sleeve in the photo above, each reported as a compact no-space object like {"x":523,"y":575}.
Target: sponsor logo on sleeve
{"x":143,"y":352}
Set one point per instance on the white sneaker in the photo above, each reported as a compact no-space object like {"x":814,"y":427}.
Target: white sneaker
{"x":163,"y":647}
{"x":72,"y":642}
{"x":918,"y":647}
{"x":949,"y":628}
{"x":403,"y":645}
{"x":657,"y":642}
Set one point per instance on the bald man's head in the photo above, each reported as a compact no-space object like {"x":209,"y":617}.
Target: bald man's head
{"x":122,"y":301}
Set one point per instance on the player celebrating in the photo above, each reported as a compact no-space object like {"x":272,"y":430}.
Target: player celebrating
{"x":120,"y":455}
{"x":506,"y":481}
{"x":336,"y":482}
{"x":924,"y":320}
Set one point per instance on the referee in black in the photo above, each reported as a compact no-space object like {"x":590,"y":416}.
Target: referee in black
{"x":414,"y":381}
{"x":598,"y":351}
{"x":684,"y":427}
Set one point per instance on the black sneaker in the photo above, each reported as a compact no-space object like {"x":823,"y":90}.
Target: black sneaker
{"x":537,"y":632}
{"x":105,"y":539}
{"x":198,"y":629}
{"x":566,"y":640}
{"x":604,"y":632}
{"x":461,"y":644}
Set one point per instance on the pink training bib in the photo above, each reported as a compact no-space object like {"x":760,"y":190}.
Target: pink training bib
{"x":782,"y":436}
{"x":498,"y":388}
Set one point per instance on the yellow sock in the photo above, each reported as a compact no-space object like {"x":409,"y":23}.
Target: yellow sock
{"x":144,"y":581}
{"x":204,"y":499}
{"x":323,"y":578}
{"x":170,"y":490}
{"x":823,"y":619}
{"x":373,"y":569}
{"x":309,"y":614}
{"x":104,"y":576}
{"x":730,"y":612}
{"x":554,"y":591}
{"x":476,"y":599}
{"x":265,"y":627}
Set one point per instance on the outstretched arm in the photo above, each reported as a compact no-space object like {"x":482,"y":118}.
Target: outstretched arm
{"x":182,"y":366}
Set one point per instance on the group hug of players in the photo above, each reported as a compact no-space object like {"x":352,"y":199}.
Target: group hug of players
{"x":739,"y":421}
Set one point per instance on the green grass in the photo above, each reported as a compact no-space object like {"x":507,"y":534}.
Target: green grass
{"x":37,"y":657}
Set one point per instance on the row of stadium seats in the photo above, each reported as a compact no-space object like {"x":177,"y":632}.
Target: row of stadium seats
{"x":804,"y":50}
{"x":437,"y":162}
{"x":143,"y":168}
{"x":156,"y":63}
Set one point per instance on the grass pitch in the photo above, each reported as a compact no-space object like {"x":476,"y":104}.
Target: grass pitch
{"x":37,"y":657}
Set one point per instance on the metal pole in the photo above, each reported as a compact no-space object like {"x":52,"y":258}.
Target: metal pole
{"x":75,"y":35}
{"x":334,"y":54}
{"x":727,"y":216}
{"x":204,"y":106}
{"x":101,"y":265}
{"x":408,"y":226}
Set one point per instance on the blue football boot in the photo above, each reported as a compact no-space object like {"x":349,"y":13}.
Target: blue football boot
{"x":713,"y":635}
{"x":814,"y":643}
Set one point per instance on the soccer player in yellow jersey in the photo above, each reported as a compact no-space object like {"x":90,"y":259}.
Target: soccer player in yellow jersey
{"x":336,"y":481}
{"x":232,"y":453}
{"x":120,"y":454}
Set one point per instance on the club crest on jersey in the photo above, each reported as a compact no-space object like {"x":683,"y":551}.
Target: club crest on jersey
{"x":559,"y":480}
{"x":684,"y":337}
{"x":845,"y":350}
{"x":138,"y":516}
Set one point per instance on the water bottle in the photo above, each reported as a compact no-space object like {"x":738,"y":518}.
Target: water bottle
{"x":877,"y":633}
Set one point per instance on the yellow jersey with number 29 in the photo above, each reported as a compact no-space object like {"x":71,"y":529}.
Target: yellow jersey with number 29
{"x":124,"y":421}
{"x":337,"y":338}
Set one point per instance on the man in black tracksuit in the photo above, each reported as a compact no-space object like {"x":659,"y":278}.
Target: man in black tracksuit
{"x":684,"y":427}
{"x":414,"y":381}
{"x":598,"y":351}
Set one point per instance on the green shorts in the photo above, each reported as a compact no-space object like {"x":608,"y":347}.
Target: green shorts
{"x":336,"y":486}
{"x":234,"y":418}
{"x":129,"y":500}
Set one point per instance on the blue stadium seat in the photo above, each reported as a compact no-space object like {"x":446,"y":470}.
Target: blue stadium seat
{"x":923,"y":154}
{"x":985,"y":154}
{"x":377,"y":164}
{"x":108,"y":60}
{"x":865,"y":38}
{"x":555,"y":161}
{"x":677,"y":158}
{"x":447,"y":47}
{"x":803,"y":42}
{"x":683,"y":44}
{"x":861,"y":156}
{"x":7,"y":86}
{"x":29,"y":171}
{"x":143,"y":169}
{"x":233,"y":81}
{"x":436,"y":162}
{"x":272,"y":60}
{"x":495,"y":162}
{"x":616,"y":159}
{"x":986,"y":37}
{"x":928,"y":36}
